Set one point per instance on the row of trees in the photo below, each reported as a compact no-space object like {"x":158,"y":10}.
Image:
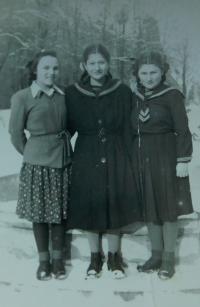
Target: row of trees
{"x":27,"y":26}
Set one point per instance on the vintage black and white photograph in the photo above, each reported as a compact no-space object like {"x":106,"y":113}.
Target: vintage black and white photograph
{"x":99,"y":153}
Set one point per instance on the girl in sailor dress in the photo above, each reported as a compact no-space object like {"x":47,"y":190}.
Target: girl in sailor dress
{"x":163,"y":144}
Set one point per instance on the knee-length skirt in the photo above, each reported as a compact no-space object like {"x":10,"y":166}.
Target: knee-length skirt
{"x":43,"y":193}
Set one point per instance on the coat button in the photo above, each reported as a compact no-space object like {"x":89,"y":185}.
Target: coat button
{"x":100,"y":121}
{"x":103,"y":140}
{"x":102,"y":132}
{"x":103,"y":160}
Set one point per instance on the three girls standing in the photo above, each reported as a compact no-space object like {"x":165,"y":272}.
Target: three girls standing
{"x":116,"y":179}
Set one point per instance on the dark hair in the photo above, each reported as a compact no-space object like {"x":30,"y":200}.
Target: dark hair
{"x":96,"y":48}
{"x":32,"y":65}
{"x":151,"y":57}
{"x":92,"y":49}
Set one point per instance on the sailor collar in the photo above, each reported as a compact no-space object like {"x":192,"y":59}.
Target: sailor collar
{"x":154,"y":95}
{"x":36,"y":90}
{"x":102,"y":93}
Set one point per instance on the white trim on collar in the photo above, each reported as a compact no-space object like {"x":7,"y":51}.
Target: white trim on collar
{"x":92,"y":94}
{"x":36,"y":90}
{"x":157,"y":94}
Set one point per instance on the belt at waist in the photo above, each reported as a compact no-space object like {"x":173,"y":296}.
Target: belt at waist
{"x":65,"y":137}
{"x":153,"y":133}
{"x":100,"y":133}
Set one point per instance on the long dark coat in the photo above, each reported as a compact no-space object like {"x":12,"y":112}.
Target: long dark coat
{"x":103,"y":189}
{"x":162,"y":139}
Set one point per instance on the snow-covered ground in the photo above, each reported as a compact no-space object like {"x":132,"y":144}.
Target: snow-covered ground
{"x":18,"y":257}
{"x":20,"y":288}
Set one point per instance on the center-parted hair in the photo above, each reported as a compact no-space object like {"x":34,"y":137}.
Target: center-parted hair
{"x":154,"y":58}
{"x":96,"y":48}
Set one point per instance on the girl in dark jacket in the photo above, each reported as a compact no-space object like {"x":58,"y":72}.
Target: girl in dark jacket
{"x":164,"y":148}
{"x":43,"y":191}
{"x":103,"y":195}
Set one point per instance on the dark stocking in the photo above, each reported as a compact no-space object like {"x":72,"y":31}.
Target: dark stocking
{"x":41,"y":234}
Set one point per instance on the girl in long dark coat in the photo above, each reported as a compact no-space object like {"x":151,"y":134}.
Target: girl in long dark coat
{"x":164,"y":148}
{"x":44,"y":178}
{"x":103,"y":196}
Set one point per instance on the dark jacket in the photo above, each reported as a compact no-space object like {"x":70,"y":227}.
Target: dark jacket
{"x":167,"y":114}
{"x":103,"y":194}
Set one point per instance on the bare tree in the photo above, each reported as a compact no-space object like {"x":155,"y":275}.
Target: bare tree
{"x":122,"y":19}
{"x":180,"y":67}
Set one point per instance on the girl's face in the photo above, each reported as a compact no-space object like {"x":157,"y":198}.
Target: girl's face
{"x":150,"y":75}
{"x":47,"y":71}
{"x":96,"y":66}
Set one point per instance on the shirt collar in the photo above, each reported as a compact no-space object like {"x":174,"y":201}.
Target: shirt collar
{"x":36,"y":90}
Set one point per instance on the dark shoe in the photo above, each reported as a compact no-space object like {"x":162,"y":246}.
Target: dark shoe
{"x":58,"y":269}
{"x":44,"y":270}
{"x":114,"y":264}
{"x":124,"y":264}
{"x":167,"y":270}
{"x":103,"y":257}
{"x":151,"y":265}
{"x":95,"y":268}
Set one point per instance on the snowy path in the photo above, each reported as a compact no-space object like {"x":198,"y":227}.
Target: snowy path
{"x":19,"y":287}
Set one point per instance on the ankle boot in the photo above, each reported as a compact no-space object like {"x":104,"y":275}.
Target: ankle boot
{"x":44,"y":271}
{"x":58,"y":266}
{"x":114,"y":264}
{"x":167,"y":269}
{"x":124,"y":264}
{"x":96,"y":264}
{"x":44,"y":268}
{"x":152,"y":264}
{"x":58,"y":269}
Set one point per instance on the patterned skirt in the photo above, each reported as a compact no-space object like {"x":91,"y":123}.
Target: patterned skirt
{"x":43,"y":193}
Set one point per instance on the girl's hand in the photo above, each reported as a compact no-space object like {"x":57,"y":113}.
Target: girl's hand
{"x":182,"y":170}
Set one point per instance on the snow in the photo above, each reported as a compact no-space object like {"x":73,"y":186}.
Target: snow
{"x":19,"y":287}
{"x":194,"y":118}
{"x":10,"y":160}
{"x":18,"y":256}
